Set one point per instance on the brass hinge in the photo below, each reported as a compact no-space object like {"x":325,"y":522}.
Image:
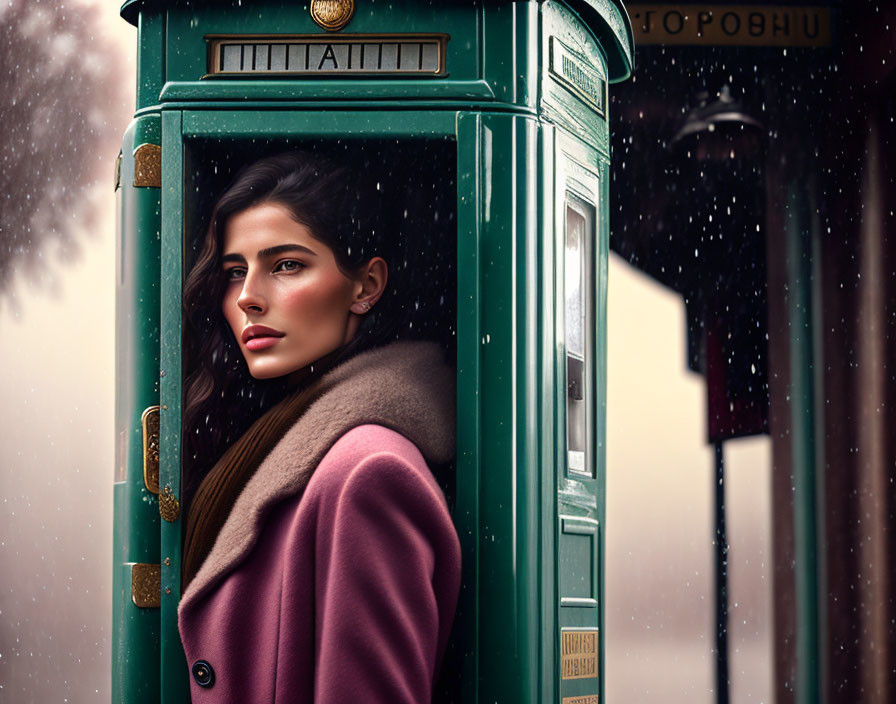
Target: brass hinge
{"x":148,"y":166}
{"x":150,"y":422}
{"x":146,"y":585}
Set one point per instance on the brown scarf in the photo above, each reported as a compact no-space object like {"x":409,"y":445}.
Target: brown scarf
{"x":220,"y":488}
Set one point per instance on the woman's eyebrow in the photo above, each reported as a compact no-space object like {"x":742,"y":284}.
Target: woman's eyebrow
{"x":281,"y":248}
{"x":269,"y":252}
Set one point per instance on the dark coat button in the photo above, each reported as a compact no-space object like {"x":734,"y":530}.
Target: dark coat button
{"x":203,"y":673}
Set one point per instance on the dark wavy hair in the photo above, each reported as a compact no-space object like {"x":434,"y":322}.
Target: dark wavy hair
{"x":344,"y":209}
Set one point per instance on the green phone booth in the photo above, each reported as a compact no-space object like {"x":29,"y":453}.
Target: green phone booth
{"x":502,"y":106}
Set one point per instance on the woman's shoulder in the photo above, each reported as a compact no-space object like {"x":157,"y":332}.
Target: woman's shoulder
{"x":370,"y":439}
{"x":373,"y":458}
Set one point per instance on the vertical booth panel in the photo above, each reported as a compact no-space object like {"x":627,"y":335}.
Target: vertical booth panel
{"x":173,"y":664}
{"x":135,"y":637}
{"x":469,"y":379}
{"x":509,"y":545}
{"x":581,"y":255}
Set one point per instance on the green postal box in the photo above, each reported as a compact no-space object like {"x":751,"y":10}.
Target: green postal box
{"x":495,"y":115}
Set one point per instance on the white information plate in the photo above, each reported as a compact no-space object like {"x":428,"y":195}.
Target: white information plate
{"x":317,"y":55}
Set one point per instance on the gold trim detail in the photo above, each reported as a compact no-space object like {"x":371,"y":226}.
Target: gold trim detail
{"x":578,"y":653}
{"x":169,"y":506}
{"x":146,"y":585}
{"x":117,"y":172}
{"x":583,"y":699}
{"x":150,"y":422}
{"x":332,"y":15}
{"x":148,"y":166}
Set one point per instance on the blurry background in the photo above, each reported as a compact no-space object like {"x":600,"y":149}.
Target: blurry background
{"x":753,"y":178}
{"x":659,"y":566}
{"x":66,"y":98}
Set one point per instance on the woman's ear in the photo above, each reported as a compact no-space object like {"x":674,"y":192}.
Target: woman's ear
{"x":372,"y":278}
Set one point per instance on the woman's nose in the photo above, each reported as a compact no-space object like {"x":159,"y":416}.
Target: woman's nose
{"x":251,"y":298}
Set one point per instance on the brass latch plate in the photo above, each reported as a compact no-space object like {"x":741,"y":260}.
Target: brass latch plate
{"x":148,"y":166}
{"x":146,"y":585}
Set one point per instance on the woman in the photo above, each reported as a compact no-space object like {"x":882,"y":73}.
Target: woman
{"x":320,"y":561}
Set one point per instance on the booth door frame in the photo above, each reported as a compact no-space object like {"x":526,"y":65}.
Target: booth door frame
{"x":507,"y":512}
{"x":179,"y":126}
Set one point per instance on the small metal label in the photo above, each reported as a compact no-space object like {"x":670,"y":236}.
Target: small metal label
{"x":148,"y":166}
{"x":332,"y":15}
{"x":146,"y":585}
{"x":578,"y":653}
{"x":577,"y":76}
{"x":585,"y":699}
{"x":150,"y":422}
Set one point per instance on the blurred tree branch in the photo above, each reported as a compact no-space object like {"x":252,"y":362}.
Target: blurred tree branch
{"x":61,"y":109}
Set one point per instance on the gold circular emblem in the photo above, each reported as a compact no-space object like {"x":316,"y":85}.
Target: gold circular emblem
{"x":332,"y":15}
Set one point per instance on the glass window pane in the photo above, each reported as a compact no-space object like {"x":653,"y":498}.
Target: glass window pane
{"x":576,"y":307}
{"x":575,"y":303}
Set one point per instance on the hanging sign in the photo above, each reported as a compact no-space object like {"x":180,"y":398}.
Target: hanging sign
{"x":731,"y":25}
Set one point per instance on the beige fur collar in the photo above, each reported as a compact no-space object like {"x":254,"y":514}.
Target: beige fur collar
{"x":405,"y":386}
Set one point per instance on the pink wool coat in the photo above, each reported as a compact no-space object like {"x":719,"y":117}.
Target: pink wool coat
{"x":335,"y":582}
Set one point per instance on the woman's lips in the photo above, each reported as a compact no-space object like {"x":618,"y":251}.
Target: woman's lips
{"x":260,"y":337}
{"x":261,"y":343}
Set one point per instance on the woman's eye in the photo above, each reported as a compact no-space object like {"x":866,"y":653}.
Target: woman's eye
{"x":288,"y":265}
{"x":234,"y":273}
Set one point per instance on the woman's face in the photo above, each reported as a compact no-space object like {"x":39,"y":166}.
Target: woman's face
{"x":286,"y":300}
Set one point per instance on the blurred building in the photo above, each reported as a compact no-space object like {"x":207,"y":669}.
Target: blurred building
{"x":754,"y":161}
